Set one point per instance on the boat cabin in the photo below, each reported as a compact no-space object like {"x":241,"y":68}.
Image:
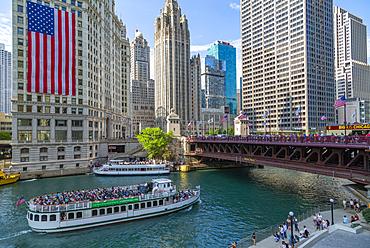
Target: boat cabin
{"x":162,"y":185}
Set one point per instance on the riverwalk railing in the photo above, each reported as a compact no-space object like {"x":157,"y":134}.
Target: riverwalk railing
{"x":267,"y":232}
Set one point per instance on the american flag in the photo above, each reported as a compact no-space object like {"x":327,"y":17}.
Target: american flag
{"x":51,"y":50}
{"x":250,"y":124}
{"x":224,"y":118}
{"x":323,"y":118}
{"x":20,"y":201}
{"x":190,"y":123}
{"x":243,"y":116}
{"x":340,"y":102}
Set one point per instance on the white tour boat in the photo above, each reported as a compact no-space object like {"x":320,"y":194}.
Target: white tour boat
{"x":104,"y":206}
{"x":122,"y":168}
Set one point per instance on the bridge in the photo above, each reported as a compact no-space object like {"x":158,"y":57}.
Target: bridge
{"x":346,"y":157}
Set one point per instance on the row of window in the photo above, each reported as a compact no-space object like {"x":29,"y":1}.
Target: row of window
{"x":47,"y":109}
{"x":47,"y":98}
{"x":46,"y":123}
{"x":45,"y":149}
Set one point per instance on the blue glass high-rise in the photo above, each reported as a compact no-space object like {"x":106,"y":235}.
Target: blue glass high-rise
{"x":224,"y":51}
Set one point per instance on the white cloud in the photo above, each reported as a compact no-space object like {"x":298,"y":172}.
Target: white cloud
{"x":199,"y":48}
{"x":6,"y":30}
{"x":234,"y":6}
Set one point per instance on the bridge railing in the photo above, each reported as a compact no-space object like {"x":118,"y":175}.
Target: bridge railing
{"x":289,"y":139}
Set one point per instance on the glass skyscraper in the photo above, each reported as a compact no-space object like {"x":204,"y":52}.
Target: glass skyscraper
{"x":224,"y":51}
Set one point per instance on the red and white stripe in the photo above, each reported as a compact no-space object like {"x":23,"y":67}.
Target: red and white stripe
{"x":51,"y":59}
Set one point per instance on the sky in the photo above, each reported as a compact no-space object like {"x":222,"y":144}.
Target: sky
{"x":209,"y":21}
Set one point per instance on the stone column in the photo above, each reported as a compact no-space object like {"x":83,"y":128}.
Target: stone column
{"x":52,"y":130}
{"x":34,"y":130}
{"x":69,"y":131}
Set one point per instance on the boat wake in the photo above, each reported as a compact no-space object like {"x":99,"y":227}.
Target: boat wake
{"x":15,"y":234}
{"x":188,"y":209}
{"x":30,"y":180}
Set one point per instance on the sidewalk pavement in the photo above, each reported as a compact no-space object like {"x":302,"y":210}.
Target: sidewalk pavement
{"x":338,"y":218}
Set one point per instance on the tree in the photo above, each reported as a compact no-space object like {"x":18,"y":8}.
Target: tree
{"x":230,"y":131}
{"x":155,"y":142}
{"x":218,"y":131}
{"x":5,"y":136}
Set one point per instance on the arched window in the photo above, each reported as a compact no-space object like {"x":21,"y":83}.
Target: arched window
{"x":77,"y":148}
{"x":25,"y":150}
{"x":61,"y":149}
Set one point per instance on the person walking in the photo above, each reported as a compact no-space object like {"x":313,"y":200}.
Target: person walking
{"x":295,"y":222}
{"x":344,"y":202}
{"x":281,"y":230}
{"x":288,"y":222}
{"x":285,"y":228}
{"x":314,"y":219}
{"x":351,"y":203}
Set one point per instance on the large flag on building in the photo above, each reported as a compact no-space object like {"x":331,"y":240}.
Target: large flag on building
{"x":299,"y":120}
{"x":323,"y":118}
{"x":224,"y":118}
{"x":210,"y":120}
{"x":267,"y":113}
{"x":51,"y":50}
{"x":340,"y":102}
{"x":243,"y":116}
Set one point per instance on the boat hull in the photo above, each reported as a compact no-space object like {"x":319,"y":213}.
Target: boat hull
{"x":9,"y":179}
{"x":164,"y":210}
{"x":138,"y":173}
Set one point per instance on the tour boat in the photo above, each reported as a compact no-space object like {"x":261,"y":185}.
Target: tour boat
{"x":6,"y":179}
{"x":105,"y":206}
{"x":122,"y":168}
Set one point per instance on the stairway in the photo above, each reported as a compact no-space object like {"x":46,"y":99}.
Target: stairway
{"x":126,"y":154}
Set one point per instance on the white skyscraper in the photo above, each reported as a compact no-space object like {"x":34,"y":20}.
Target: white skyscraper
{"x":172,"y":64}
{"x":352,"y":73}
{"x":5,"y":80}
{"x":287,"y":62}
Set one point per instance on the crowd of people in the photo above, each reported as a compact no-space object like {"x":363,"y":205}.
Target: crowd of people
{"x":353,"y":203}
{"x":183,"y":195}
{"x":137,"y":162}
{"x":79,"y":196}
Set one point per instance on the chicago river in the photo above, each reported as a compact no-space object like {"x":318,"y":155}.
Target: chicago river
{"x":234,"y":204}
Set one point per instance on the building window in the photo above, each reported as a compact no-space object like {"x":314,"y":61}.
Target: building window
{"x":73,"y":2}
{"x":57,"y":110}
{"x":80,"y":111}
{"x":61,"y":123}
{"x":20,"y":108}
{"x":20,"y":31}
{"x":64,"y":110}
{"x":20,"y":97}
{"x":39,"y":109}
{"x":47,"y":4}
{"x":20,"y":19}
{"x":20,"y":8}
{"x":43,"y":135}
{"x":43,"y":122}
{"x":20,"y":86}
{"x":79,"y":24}
{"x":77,"y":148}
{"x":44,"y":158}
{"x":77,"y":135}
{"x":57,"y":6}
{"x":20,"y":53}
{"x":79,"y":52}
{"x":64,"y":99}
{"x":47,"y":98}
{"x":20,"y":43}
{"x":26,"y":159}
{"x":73,"y":100}
{"x":79,"y":101}
{"x":29,"y":98}
{"x":44,"y":149}
{"x":79,"y":43}
{"x":47,"y":109}
{"x":29,"y":108}
{"x":44,"y":168}
{"x":61,"y":149}
{"x":79,"y":33}
{"x":60,"y":157}
{"x":78,"y":156}
{"x":24,"y":122}
{"x":77,"y":123}
{"x":24,"y":135}
{"x":60,"y":166}
{"x":64,"y":8}
{"x":20,"y":74}
{"x":39,"y":98}
{"x":20,"y":64}
{"x":73,"y":111}
{"x":77,"y":165}
{"x":24,"y":168}
{"x":25,"y":151}
{"x":79,"y":14}
{"x":80,"y":92}
{"x":79,"y":4}
{"x":61,"y":135}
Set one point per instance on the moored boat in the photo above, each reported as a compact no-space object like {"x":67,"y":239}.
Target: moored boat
{"x":6,"y":179}
{"x":123,"y":168}
{"x":104,"y":206}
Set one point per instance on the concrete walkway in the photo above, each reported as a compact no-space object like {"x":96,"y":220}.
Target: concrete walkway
{"x":338,"y":215}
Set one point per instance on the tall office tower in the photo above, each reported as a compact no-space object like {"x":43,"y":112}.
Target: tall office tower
{"x":70,"y":72}
{"x":224,"y":51}
{"x":287,"y":62}
{"x":213,"y":82}
{"x":5,"y":80}
{"x":196,"y":92}
{"x":352,"y":73}
{"x":172,"y":64}
{"x":141,"y":88}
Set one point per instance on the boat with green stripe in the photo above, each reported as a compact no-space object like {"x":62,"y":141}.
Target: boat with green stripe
{"x":84,"y":209}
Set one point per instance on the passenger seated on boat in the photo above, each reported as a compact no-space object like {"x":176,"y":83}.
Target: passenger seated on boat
{"x":63,"y":217}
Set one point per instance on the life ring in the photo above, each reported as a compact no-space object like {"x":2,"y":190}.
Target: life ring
{"x":155,"y":189}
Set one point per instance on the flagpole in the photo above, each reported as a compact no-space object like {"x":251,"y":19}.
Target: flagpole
{"x":345,"y":121}
{"x":227,"y":126}
{"x":270,"y":120}
{"x":214,"y":120}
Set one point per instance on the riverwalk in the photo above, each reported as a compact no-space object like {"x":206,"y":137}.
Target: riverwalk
{"x":308,"y":222}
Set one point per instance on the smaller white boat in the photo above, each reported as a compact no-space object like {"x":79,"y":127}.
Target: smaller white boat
{"x":123,"y":168}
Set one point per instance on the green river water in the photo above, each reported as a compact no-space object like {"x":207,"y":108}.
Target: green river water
{"x":234,"y":204}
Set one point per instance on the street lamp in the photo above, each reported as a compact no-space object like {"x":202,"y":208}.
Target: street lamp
{"x":332,"y":211}
{"x":291,"y":225}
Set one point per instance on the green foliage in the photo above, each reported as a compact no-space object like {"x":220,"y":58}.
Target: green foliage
{"x":210,"y":132}
{"x":156,"y":142}
{"x":366,"y":214}
{"x":218,"y":131}
{"x":230,"y":131}
{"x":5,"y":136}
